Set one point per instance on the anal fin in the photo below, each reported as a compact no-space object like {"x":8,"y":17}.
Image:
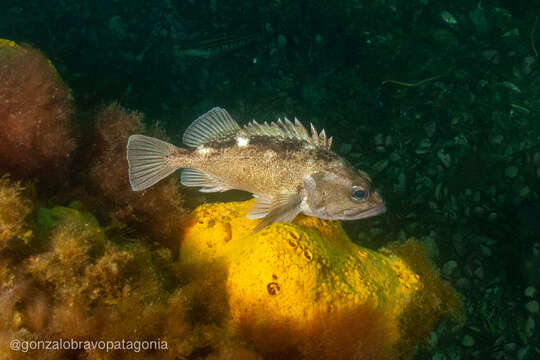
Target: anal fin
{"x":208,"y":183}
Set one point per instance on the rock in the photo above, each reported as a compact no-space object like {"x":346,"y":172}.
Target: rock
{"x":433,"y":339}
{"x":492,"y":56}
{"x":536,"y":158}
{"x":530,"y":291}
{"x":497,"y":139}
{"x":467,"y":341}
{"x":379,"y":139}
{"x":401,"y":182}
{"x":486,"y":251}
{"x":445,"y":158}
{"x":430,"y":128}
{"x":118,"y":27}
{"x":510,"y":347}
{"x":443,"y":36}
{"x":530,"y":325}
{"x":532,"y":307}
{"x":437,"y":193}
{"x":479,"y":272}
{"x":479,"y":210}
{"x":511,"y":172}
{"x":525,"y":192}
{"x":461,"y":139}
{"x":522,"y":352}
{"x":281,"y":41}
{"x":430,"y":244}
{"x":486,"y":240}
{"x":380,"y":165}
{"x":449,"y":267}
{"x":478,"y":18}
{"x":513,"y":32}
{"x":448,"y":18}
{"x":424,"y":146}
{"x":395,"y":157}
{"x":459,"y":244}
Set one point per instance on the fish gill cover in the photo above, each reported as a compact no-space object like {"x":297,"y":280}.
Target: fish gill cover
{"x":438,"y":102}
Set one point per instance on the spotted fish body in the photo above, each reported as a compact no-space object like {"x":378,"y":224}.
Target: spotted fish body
{"x":289,"y":169}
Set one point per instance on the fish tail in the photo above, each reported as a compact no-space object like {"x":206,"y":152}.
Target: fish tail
{"x":150,"y":160}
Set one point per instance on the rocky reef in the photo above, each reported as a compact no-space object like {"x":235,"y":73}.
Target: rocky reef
{"x":83,"y":257}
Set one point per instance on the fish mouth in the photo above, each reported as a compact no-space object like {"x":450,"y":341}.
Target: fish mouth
{"x":353,"y":215}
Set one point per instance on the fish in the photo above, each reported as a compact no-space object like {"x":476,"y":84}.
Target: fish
{"x":288,"y":169}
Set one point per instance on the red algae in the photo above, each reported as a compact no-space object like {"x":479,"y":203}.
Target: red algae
{"x":36,"y":115}
{"x":157,"y":211}
{"x":14,"y":208}
{"x":84,"y":285}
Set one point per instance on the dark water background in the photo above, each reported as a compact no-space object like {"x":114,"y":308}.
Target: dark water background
{"x":439,"y":101}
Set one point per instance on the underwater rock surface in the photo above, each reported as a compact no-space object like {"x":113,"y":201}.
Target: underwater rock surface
{"x":305,"y":289}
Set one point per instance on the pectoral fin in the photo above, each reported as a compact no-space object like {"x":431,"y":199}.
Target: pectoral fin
{"x":281,"y":208}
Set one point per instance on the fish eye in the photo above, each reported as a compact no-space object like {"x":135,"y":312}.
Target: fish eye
{"x":358,"y":194}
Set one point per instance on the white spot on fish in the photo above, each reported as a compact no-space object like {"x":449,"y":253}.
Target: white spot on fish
{"x":203,"y":150}
{"x":242,"y":140}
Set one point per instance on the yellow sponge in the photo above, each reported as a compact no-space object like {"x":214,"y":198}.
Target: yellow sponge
{"x":301,"y":274}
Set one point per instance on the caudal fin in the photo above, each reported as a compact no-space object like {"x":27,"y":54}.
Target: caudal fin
{"x":149,"y":161}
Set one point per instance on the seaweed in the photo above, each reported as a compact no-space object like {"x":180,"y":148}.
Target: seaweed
{"x":14,"y":209}
{"x":158,"y":211}
{"x":37,"y":132}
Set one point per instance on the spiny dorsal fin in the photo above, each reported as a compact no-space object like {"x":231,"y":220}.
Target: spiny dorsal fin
{"x":214,"y":124}
{"x":288,"y":130}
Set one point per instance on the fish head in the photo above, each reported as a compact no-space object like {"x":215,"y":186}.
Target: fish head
{"x":346,"y":195}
